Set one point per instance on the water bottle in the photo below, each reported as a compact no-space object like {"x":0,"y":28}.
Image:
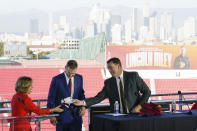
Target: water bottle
{"x":173,"y":106}
{"x":116,"y":107}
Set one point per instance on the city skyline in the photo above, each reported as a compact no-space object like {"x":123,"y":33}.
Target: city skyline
{"x":9,"y":6}
{"x":126,"y":25}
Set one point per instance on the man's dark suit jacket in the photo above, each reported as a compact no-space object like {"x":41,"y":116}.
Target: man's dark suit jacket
{"x":135,"y":90}
{"x":59,"y":90}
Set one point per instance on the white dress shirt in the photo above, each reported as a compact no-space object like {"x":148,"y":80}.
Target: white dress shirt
{"x":118,"y":86}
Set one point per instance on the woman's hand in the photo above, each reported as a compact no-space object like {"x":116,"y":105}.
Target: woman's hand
{"x":56,"y":109}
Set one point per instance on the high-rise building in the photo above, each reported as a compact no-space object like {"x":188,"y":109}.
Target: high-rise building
{"x":62,"y":21}
{"x":128,"y":31}
{"x":64,"y":24}
{"x":134,"y":23}
{"x":166,"y":26}
{"x":189,"y":27}
{"x":91,"y":29}
{"x":143,"y":34}
{"x":132,"y":26}
{"x":50,"y":15}
{"x":115,"y":19}
{"x":101,"y":17}
{"x":34,"y":26}
{"x":77,"y":33}
{"x":146,"y":10}
{"x":153,"y":27}
{"x":116,"y":34}
{"x":146,"y":14}
{"x":180,"y":34}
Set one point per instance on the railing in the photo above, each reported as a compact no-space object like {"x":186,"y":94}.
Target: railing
{"x":23,"y":119}
{"x":8,"y":109}
{"x":37,"y":118}
{"x":180,"y":101}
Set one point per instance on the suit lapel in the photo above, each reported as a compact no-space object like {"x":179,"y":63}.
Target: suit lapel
{"x":63,"y":78}
{"x":115,"y":88}
{"x":125,"y":77}
{"x":75,"y":86}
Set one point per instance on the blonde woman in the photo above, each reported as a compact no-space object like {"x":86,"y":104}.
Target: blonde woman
{"x":22,"y":105}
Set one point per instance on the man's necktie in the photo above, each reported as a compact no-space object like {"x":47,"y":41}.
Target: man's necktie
{"x":70,"y":86}
{"x":122,"y":97}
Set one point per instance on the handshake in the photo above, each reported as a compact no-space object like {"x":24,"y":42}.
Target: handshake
{"x":69,"y":101}
{"x":77,"y":102}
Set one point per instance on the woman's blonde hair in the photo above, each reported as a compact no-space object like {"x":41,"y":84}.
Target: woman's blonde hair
{"x":22,"y":84}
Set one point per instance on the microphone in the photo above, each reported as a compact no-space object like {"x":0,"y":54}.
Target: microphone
{"x":19,"y":99}
{"x":22,"y":102}
{"x":190,"y":111}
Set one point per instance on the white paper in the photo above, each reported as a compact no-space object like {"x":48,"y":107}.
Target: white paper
{"x":113,"y":114}
{"x":67,"y":100}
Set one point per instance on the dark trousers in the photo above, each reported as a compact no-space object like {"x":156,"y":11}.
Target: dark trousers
{"x":74,"y":126}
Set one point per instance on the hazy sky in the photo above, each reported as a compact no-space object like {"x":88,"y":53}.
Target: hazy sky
{"x":53,"y":5}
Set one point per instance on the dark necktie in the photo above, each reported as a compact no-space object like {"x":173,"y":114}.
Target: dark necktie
{"x":70,"y":86}
{"x":122,"y":97}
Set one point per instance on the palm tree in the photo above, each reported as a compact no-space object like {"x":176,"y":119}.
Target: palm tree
{"x":1,"y":49}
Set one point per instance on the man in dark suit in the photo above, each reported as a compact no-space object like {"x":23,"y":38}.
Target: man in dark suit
{"x":67,"y":85}
{"x":125,"y":87}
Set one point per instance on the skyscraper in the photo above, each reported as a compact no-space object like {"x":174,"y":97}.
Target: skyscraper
{"x":116,"y":34}
{"x":91,"y":29}
{"x":134,"y":23}
{"x":153,"y":26}
{"x":101,"y":17}
{"x":166,"y":26}
{"x":64,"y":25}
{"x":189,"y":27}
{"x":146,"y":14}
{"x":128,"y":31}
{"x":50,"y":15}
{"x":34,"y":26}
{"x":115,"y":19}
